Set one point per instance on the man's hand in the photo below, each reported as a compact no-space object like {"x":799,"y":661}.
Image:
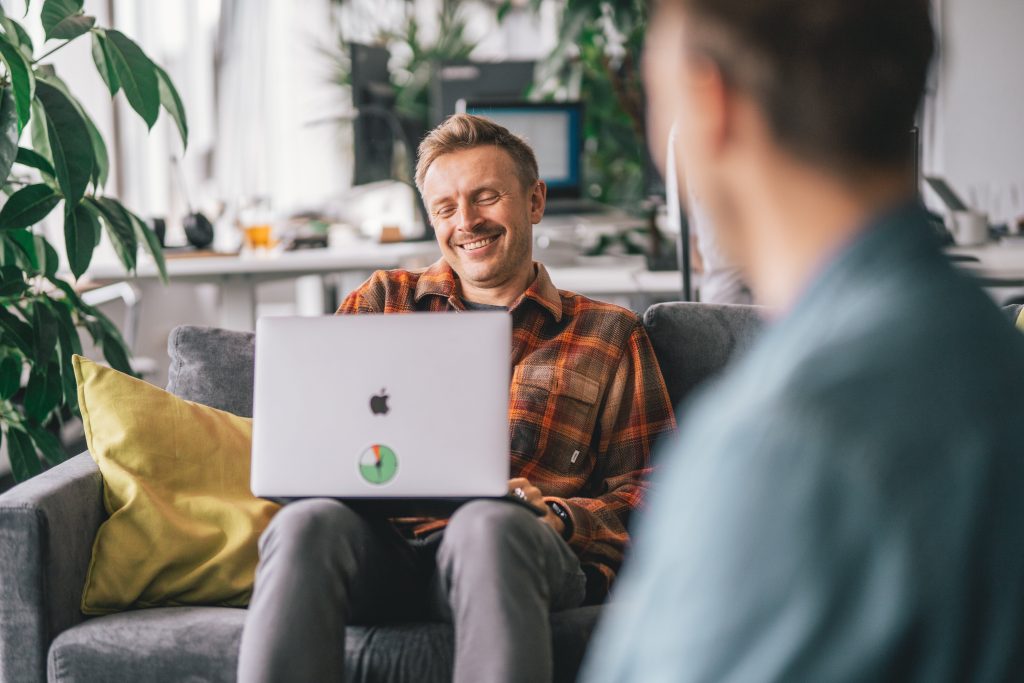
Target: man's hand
{"x":535,"y":498}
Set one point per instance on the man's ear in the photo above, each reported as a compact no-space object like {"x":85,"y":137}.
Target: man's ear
{"x":538,"y":200}
{"x":711,"y":105}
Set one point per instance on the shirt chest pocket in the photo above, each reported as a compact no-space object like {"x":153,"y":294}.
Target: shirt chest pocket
{"x":552,"y":411}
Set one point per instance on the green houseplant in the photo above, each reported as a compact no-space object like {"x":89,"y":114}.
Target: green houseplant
{"x":60,"y":167}
{"x":597,"y":59}
{"x":413,"y":71}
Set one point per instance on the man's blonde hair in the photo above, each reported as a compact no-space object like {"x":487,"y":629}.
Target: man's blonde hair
{"x":466,"y":131}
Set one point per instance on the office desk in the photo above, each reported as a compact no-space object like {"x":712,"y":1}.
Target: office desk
{"x":996,"y":264}
{"x":595,"y":281}
{"x":238,"y":276}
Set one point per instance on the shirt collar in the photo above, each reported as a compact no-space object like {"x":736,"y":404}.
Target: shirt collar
{"x":440,"y":280}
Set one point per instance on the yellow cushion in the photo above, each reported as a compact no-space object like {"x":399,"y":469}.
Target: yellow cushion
{"x":1020,"y":320}
{"x":183,"y":523}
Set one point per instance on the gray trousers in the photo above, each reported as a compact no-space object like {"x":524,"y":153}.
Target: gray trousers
{"x":496,"y":572}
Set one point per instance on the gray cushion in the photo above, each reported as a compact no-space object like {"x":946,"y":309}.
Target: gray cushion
{"x":212,"y":366}
{"x":694,"y":341}
{"x":201,"y":644}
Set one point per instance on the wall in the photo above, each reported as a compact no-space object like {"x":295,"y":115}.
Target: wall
{"x":977,"y":127}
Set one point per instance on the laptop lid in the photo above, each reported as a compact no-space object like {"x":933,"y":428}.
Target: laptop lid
{"x":382,"y":406}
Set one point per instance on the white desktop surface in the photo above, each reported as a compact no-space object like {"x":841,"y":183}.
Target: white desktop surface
{"x":1000,"y":263}
{"x":275,"y":265}
{"x":616,"y":280}
{"x":237,"y":276}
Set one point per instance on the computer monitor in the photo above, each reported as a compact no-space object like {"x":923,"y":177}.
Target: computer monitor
{"x":555,"y":132}
{"x":373,"y":98}
{"x":477,"y":82}
{"x":946,"y":193}
{"x":377,"y":128}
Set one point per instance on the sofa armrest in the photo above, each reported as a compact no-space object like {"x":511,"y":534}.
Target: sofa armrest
{"x":47,"y":527}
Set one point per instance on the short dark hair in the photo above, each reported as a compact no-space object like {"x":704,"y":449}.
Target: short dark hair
{"x":465,"y":131}
{"x":839,"y":81}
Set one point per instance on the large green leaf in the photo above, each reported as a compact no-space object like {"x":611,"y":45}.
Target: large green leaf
{"x":119,"y":229}
{"x":26,"y":256}
{"x":22,"y":78}
{"x":44,"y":391}
{"x":48,"y":444}
{"x":49,"y":260}
{"x":12,"y":282}
{"x":70,"y":145}
{"x":40,"y":139}
{"x":44,"y":333}
{"x":16,"y":330}
{"x":137,"y":75}
{"x":81,"y":231}
{"x":29,"y":157}
{"x":9,"y":131}
{"x":8,"y":254}
{"x":70,"y":344}
{"x":148,"y":238}
{"x":110,"y":331}
{"x":108,"y":338}
{"x":28,"y":206}
{"x":25,"y":241}
{"x":18,"y":36}
{"x":10,"y":376}
{"x":116,"y":353}
{"x":99,"y":321}
{"x":172,"y":103}
{"x":71,"y":296}
{"x":63,"y":19}
{"x":101,"y":163}
{"x":24,"y":461}
{"x":101,"y":57}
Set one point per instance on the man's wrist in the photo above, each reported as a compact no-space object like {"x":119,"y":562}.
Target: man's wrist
{"x":563,"y":515}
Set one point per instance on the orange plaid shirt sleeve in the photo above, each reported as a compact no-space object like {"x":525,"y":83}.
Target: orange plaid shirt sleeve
{"x":587,"y":402}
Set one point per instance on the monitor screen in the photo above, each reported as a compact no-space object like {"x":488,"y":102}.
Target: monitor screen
{"x":554,"y":131}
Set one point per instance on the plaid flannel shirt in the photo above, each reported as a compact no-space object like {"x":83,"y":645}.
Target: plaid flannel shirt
{"x":587,"y":402}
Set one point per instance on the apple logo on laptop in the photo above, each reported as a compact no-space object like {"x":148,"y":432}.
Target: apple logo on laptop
{"x":379,"y":403}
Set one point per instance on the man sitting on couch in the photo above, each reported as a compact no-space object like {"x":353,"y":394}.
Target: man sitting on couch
{"x":587,"y":403}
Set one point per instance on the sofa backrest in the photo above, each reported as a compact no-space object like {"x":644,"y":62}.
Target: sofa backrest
{"x":694,"y":341}
{"x":212,"y":366}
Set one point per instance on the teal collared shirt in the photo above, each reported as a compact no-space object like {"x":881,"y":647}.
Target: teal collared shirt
{"x":847,"y":503}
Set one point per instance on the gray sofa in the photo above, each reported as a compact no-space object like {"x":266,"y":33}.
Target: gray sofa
{"x":48,"y":523}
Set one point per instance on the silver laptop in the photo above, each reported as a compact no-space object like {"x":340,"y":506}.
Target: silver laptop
{"x":371,"y":407}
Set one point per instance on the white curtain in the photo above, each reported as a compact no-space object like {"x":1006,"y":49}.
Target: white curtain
{"x":273,"y":86}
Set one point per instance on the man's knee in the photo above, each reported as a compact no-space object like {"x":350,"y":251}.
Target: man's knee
{"x":490,"y":524}
{"x":310,"y":526}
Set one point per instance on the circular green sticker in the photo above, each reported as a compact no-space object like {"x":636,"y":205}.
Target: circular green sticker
{"x":378,"y":464}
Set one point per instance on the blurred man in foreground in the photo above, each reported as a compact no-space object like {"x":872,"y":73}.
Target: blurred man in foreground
{"x":846,"y":504}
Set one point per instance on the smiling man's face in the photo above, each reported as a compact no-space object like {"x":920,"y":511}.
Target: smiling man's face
{"x":483,"y":217}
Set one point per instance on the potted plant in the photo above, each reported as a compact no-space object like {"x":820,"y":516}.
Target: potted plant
{"x":60,"y":168}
